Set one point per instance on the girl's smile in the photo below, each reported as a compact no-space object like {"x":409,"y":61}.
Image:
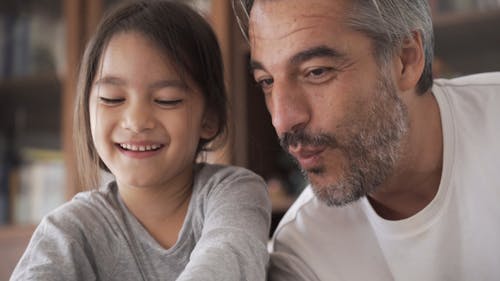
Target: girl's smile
{"x":146,"y":120}
{"x":140,"y":150}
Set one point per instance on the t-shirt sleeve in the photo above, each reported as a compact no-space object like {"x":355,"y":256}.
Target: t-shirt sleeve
{"x":233,"y":243}
{"x":52,"y":254}
{"x":287,"y":267}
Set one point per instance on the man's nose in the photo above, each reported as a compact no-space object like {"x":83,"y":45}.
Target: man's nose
{"x":138,"y":117}
{"x":288,"y":107}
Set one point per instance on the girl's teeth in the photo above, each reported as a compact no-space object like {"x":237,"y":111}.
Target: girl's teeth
{"x":140,"y":147}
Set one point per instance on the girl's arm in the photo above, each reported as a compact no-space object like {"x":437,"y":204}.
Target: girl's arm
{"x":233,"y":244}
{"x":53,"y":255}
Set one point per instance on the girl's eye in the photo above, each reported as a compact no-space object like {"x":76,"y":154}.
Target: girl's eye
{"x":168,"y":103}
{"x":111,"y":101}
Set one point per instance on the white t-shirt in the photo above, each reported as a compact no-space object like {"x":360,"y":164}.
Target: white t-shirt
{"x":455,"y":237}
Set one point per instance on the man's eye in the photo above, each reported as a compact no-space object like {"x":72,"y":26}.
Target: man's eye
{"x":320,"y":75}
{"x":168,"y":102}
{"x":318,"y":72}
{"x":111,"y":101}
{"x":265,"y":83}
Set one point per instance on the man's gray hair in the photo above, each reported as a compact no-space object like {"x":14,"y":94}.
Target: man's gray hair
{"x":387,"y":22}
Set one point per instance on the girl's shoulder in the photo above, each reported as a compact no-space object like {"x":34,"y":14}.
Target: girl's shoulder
{"x":76,"y":235}
{"x":223,"y":182}
{"x":216,"y":174}
{"x":87,"y":211}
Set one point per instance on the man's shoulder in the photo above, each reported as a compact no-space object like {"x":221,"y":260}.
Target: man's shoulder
{"x":306,"y":198}
{"x":308,"y":208}
{"x":309,"y":218}
{"x":488,"y":79}
{"x":313,"y":235}
{"x":469,"y":100}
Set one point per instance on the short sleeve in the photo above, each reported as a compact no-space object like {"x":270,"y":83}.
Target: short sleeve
{"x":233,"y":244}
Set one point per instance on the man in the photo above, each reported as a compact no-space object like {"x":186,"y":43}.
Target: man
{"x":404,"y":173}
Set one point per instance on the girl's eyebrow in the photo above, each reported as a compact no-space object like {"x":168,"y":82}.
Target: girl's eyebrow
{"x":175,"y":83}
{"x":116,"y":81}
{"x":110,"y":80}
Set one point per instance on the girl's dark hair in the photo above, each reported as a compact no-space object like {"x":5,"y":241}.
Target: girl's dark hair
{"x":186,"y":39}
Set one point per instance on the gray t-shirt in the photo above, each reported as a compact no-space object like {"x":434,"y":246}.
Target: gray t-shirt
{"x":95,"y":237}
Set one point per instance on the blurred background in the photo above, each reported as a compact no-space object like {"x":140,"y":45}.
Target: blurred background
{"x":41,"y":43}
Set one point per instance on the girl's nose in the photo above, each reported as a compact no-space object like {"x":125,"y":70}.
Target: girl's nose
{"x":138,"y":117}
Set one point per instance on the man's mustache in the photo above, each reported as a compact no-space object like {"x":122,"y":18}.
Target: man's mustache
{"x":306,"y":139}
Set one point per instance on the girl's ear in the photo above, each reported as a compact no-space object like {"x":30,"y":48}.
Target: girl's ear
{"x":209,"y":126}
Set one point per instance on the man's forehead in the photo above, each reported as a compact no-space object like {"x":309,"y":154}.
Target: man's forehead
{"x":273,"y":19}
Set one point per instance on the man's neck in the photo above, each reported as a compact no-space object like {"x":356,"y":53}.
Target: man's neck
{"x":417,"y":174}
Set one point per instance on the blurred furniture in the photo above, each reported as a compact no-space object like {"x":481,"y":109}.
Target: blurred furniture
{"x":13,"y":242}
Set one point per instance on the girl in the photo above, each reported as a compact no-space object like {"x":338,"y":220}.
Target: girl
{"x":151,"y":97}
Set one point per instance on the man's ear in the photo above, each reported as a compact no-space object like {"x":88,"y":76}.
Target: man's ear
{"x":209,"y":126}
{"x":411,"y":62}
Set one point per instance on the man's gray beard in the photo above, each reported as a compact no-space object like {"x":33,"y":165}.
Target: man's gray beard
{"x":371,"y":152}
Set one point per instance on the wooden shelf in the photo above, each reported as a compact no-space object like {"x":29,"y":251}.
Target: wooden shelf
{"x":469,"y":41}
{"x":25,"y":89}
{"x":31,"y":108}
{"x":13,"y":242}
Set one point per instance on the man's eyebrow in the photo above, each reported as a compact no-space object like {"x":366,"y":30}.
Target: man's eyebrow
{"x":255,"y":65}
{"x":315,"y":52}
